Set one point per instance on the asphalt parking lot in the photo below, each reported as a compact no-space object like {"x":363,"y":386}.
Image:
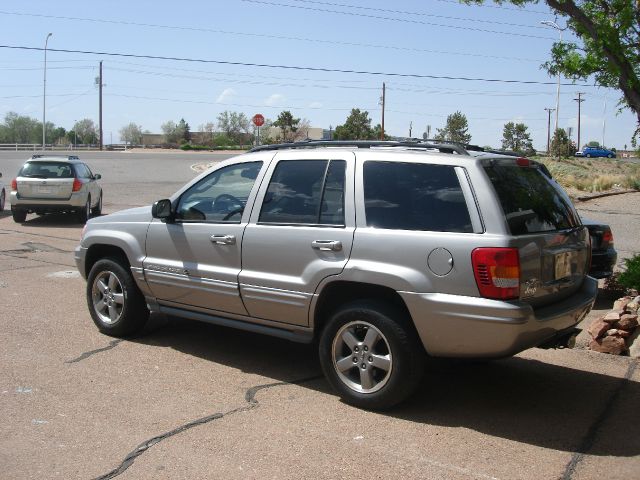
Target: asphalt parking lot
{"x":191,"y":400}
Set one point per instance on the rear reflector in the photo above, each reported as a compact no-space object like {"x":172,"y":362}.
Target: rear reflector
{"x":14,"y":185}
{"x":497,"y":272}
{"x":77,"y":185}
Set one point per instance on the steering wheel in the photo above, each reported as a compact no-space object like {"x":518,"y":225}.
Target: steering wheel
{"x":227,"y":201}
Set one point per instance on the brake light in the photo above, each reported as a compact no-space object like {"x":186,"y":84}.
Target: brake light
{"x":607,"y":238}
{"x":14,"y":185}
{"x":77,"y":185}
{"x":523,"y":162}
{"x":497,"y":272}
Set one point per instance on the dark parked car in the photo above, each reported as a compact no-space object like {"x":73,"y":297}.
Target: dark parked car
{"x":603,"y":255}
{"x":596,"y":152}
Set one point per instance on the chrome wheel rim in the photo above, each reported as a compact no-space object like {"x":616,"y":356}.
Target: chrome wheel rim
{"x":108,"y":297}
{"x":362,"y":357}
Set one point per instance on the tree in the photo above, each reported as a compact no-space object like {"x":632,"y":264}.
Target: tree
{"x":131,"y":134}
{"x":456,"y":129}
{"x":235,"y":125}
{"x":561,"y":144}
{"x":357,"y":126}
{"x":21,"y":129}
{"x":208,"y":130}
{"x":184,"y":131}
{"x":171,"y":132}
{"x":515,"y":137}
{"x":610,"y":49}
{"x":86,"y":130}
{"x":288,"y":126}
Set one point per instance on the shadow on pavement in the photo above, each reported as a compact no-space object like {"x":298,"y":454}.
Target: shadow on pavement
{"x":519,"y":399}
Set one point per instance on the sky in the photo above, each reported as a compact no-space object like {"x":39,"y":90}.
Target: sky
{"x":318,"y":59}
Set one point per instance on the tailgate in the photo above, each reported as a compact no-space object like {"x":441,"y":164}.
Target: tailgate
{"x":44,"y":188}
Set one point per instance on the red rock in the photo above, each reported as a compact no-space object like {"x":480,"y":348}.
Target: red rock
{"x":598,"y":328}
{"x":614,"y":332}
{"x":627,"y":322}
{"x":611,"y":317}
{"x":620,"y":304}
{"x":611,"y":345}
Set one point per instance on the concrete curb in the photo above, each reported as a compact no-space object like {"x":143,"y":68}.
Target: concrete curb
{"x":584,"y":198}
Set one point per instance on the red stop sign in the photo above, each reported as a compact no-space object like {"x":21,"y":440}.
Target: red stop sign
{"x":258,"y":120}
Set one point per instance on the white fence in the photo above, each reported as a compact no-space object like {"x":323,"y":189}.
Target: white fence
{"x":37,"y":147}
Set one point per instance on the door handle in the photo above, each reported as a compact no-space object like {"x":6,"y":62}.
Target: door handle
{"x":223,"y":239}
{"x":327,"y":245}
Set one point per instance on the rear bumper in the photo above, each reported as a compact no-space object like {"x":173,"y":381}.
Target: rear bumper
{"x":471,"y":327}
{"x":76,"y":201}
{"x":602,"y":263}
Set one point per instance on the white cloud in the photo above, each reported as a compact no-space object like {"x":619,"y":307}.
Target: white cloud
{"x":274,"y":99}
{"x":226,"y":95}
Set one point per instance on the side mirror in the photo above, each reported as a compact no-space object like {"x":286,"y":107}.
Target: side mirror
{"x":97,"y":176}
{"x":162,"y":210}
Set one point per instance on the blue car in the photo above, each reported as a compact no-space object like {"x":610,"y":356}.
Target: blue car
{"x":596,"y":152}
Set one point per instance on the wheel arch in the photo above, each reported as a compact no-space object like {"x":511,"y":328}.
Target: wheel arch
{"x":98,"y":251}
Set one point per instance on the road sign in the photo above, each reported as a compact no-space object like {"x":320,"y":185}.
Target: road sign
{"x":258,"y":120}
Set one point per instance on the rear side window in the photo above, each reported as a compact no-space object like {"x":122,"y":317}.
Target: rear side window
{"x":414,"y":196}
{"x":307,"y":192}
{"x":47,"y":170}
{"x":531,"y":201}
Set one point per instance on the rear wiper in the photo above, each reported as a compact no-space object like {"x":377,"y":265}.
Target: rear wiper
{"x":35,"y":176}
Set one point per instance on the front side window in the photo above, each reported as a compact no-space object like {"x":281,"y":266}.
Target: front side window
{"x":414,"y":196}
{"x":309,"y":192}
{"x":221,"y":196}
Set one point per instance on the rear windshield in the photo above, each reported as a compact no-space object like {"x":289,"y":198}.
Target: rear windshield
{"x":532,"y":202}
{"x":47,"y":170}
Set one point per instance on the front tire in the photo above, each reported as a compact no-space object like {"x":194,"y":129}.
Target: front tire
{"x":116,"y":304}
{"x":19,"y":216}
{"x":371,"y":355}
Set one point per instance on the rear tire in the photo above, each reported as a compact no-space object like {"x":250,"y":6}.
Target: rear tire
{"x":84,"y":214}
{"x":116,"y":304}
{"x":610,"y":156}
{"x":2,"y":200}
{"x":371,"y":355}
{"x":19,"y":216}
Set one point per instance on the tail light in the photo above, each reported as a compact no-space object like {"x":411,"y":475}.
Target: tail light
{"x":14,"y":185}
{"x":77,"y":185}
{"x":497,"y":272}
{"x":607,"y":239}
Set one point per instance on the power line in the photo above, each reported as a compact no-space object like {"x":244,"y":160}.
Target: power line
{"x":292,"y":67}
{"x":403,"y":20}
{"x":269,"y":36}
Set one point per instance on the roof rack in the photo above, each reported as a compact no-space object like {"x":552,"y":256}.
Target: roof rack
{"x":442,"y":147}
{"x":43,"y":155}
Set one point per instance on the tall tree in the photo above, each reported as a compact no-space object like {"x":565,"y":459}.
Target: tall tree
{"x":515,"y":137}
{"x":234,"y":124}
{"x":610,"y":51}
{"x":21,"y":129}
{"x":131,"y":134}
{"x":86,"y":130}
{"x":288,"y":126}
{"x":357,"y":126}
{"x":184,"y":131}
{"x":561,"y":144}
{"x":171,"y":132}
{"x":456,"y":129}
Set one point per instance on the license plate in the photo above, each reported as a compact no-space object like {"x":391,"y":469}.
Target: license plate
{"x":45,"y":190}
{"x":563,"y":263}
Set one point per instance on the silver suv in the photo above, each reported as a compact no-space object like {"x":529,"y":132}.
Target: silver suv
{"x":385,"y":253}
{"x":55,"y":183}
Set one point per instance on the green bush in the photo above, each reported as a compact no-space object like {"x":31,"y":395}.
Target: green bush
{"x":630,"y":278}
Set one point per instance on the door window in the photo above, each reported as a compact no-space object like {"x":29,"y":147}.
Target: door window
{"x":305,"y":192}
{"x":221,"y":196}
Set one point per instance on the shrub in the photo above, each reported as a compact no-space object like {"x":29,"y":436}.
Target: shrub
{"x":630,"y":278}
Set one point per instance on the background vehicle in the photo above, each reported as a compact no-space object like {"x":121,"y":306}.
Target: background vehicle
{"x":50,"y":183}
{"x":603,"y":255}
{"x":596,"y":152}
{"x":384,"y":252}
{"x":3,"y":194}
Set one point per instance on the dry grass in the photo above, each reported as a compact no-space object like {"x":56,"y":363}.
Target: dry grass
{"x":594,"y":175}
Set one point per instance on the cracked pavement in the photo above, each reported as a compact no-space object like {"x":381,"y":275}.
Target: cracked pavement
{"x":190,"y":400}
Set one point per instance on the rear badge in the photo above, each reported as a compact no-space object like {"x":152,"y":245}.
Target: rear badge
{"x":530,"y":288}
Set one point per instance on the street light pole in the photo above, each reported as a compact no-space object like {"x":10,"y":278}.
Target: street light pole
{"x":44,"y":93}
{"x":75,"y":135}
{"x":549,"y":23}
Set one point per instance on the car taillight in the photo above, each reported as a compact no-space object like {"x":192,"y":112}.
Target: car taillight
{"x":497,"y":272}
{"x":77,"y":185}
{"x":523,"y":162}
{"x":14,"y":185}
{"x":607,"y":239}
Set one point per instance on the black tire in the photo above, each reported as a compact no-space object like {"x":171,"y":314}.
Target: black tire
{"x":2,"y":200}
{"x":19,"y":216}
{"x":84,"y":214}
{"x":97,"y":210}
{"x":395,"y":360}
{"x":116,"y":304}
{"x":610,"y":156}
{"x":588,"y":155}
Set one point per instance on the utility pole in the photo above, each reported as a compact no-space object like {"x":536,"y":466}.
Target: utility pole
{"x":410,"y":128}
{"x":549,"y":110}
{"x":383,"y":100}
{"x":579,"y":100}
{"x":100,"y":105}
